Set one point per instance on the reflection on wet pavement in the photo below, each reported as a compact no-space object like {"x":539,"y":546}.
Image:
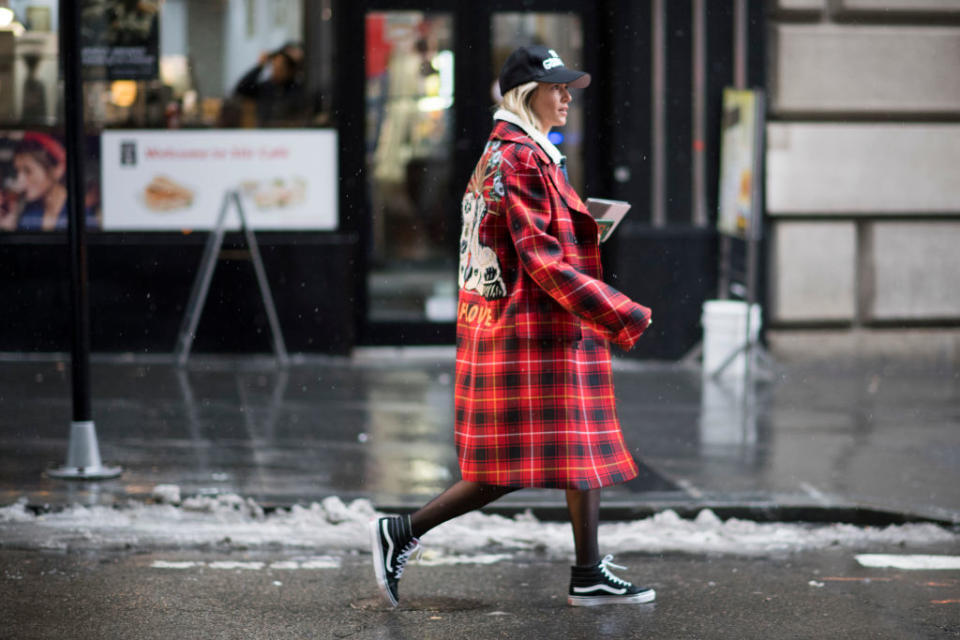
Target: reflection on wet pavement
{"x":383,"y":430}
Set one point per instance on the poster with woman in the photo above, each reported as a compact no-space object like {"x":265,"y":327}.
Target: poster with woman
{"x":33,"y":190}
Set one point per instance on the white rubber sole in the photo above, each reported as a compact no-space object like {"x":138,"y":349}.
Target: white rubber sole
{"x":377,"y":552}
{"x":595,"y":601}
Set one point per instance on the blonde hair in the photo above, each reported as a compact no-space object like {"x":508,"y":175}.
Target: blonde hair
{"x":517,"y":101}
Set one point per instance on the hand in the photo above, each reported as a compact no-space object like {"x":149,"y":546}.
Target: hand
{"x":295,"y":53}
{"x":8,"y":220}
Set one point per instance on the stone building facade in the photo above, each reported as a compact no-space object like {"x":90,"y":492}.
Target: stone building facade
{"x":862,"y":180}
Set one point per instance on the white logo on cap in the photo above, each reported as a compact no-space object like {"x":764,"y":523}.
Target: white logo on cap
{"x":553,"y":61}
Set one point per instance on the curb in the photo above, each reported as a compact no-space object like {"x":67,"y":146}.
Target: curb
{"x":618,"y":511}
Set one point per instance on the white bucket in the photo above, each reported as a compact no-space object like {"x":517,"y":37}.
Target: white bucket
{"x":724,"y":333}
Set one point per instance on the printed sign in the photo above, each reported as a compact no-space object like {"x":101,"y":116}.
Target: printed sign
{"x":739,"y":161}
{"x":177,"y":180}
{"x":119,"y":39}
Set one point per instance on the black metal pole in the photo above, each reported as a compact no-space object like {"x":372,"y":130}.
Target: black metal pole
{"x":76,"y":150}
{"x":83,"y":455}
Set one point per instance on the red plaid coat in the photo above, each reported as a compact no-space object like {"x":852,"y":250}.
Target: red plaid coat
{"x":534,"y":391}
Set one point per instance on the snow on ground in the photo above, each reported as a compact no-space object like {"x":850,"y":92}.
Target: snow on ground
{"x":331,"y":526}
{"x":910,"y":562}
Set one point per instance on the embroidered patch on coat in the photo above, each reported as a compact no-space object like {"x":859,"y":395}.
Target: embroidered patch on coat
{"x":479,"y":267}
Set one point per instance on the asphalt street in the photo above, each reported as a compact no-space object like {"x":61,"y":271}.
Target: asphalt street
{"x":864,"y":445}
{"x":822,"y":594}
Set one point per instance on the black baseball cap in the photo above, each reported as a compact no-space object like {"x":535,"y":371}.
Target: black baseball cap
{"x":540,"y":64}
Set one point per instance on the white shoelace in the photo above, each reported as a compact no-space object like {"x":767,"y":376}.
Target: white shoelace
{"x":404,"y":555}
{"x":604,"y":568}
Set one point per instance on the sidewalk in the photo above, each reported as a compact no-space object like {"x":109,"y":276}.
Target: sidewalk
{"x":864,"y":444}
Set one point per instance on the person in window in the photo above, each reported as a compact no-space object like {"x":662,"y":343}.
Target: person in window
{"x":280,"y":98}
{"x":40,"y":163}
{"x":534,"y":401}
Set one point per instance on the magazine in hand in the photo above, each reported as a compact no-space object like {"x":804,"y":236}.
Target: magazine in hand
{"x":608,"y":214}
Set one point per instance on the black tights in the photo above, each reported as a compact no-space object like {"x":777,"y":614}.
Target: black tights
{"x":463,"y":497}
{"x":459,"y":499}
{"x":584,"y":508}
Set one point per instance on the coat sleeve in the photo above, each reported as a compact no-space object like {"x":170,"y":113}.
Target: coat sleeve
{"x":527,"y":207}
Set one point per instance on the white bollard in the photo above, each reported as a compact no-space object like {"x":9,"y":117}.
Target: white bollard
{"x":83,"y":456}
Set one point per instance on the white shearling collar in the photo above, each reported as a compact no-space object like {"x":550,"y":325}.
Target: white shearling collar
{"x":538,"y":137}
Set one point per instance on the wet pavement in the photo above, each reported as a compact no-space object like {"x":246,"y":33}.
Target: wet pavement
{"x":857,"y":442}
{"x":823,"y":594}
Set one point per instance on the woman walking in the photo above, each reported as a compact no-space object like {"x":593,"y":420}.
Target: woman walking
{"x":534,"y":403}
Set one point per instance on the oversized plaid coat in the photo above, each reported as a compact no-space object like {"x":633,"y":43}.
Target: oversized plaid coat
{"x":534,"y":391}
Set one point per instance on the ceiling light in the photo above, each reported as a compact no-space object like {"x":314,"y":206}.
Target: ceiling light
{"x":123,"y":93}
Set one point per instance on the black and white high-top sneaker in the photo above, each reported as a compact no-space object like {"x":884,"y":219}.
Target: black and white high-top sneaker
{"x":392,"y":543}
{"x":594,"y":585}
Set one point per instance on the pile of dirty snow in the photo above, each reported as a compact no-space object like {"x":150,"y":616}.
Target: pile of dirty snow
{"x":232,"y":522}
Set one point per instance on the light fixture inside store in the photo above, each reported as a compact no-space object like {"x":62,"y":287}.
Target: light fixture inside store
{"x":434,"y":103}
{"x":6,"y":17}
{"x":438,"y":86}
{"x":123,"y":92}
{"x":443,"y":63}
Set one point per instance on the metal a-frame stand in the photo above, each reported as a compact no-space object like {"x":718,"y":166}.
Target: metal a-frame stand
{"x":741,"y":281}
{"x":201,"y":284}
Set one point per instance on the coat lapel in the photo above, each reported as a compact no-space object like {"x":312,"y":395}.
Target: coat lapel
{"x":566,"y":191}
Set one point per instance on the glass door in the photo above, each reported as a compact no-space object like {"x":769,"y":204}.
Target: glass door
{"x":423,"y":109}
{"x":411,"y":278}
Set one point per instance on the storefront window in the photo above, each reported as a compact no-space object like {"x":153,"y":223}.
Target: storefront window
{"x":152,"y":64}
{"x":239,"y":63}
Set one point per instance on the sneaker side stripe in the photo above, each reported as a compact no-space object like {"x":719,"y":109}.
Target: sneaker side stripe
{"x":601,"y":587}
{"x":388,"y":557}
{"x":378,"y":570}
